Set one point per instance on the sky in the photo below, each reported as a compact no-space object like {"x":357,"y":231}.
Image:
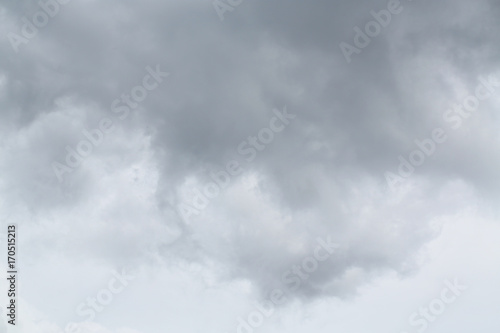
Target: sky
{"x":251,"y":166}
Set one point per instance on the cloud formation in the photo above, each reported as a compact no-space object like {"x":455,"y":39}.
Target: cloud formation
{"x":323,"y":175}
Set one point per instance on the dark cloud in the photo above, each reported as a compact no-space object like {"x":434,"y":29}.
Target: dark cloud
{"x":322,"y":175}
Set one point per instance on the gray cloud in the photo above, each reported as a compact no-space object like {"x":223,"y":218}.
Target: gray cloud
{"x":323,"y":175}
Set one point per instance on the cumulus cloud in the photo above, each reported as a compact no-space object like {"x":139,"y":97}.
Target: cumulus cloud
{"x":323,"y":175}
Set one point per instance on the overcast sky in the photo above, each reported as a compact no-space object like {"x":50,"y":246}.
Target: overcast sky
{"x":171,"y":165}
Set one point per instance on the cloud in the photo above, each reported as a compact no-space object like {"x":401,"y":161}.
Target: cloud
{"x":323,"y":175}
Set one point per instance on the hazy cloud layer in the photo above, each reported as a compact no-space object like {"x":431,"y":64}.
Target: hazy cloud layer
{"x":323,"y":175}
